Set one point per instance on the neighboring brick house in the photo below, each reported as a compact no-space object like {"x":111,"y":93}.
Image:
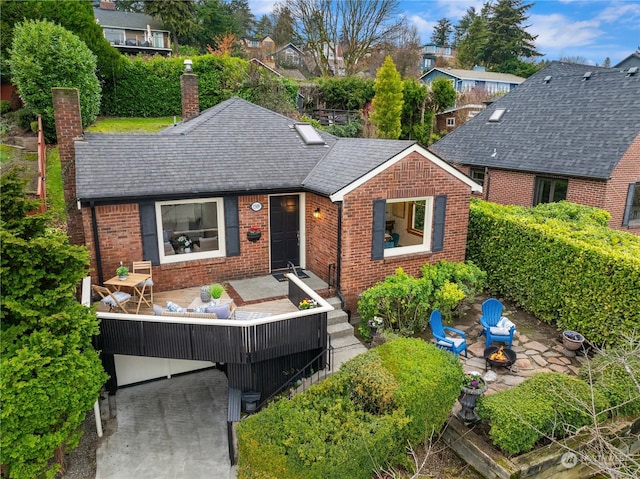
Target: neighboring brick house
{"x":452,"y":118}
{"x":324,"y":203}
{"x":477,"y":79}
{"x":132,"y":33}
{"x":570,"y":132}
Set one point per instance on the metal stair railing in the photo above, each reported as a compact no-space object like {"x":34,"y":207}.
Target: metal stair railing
{"x":299,"y":375}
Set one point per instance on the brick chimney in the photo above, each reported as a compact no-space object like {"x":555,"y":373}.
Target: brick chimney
{"x":66,"y":111}
{"x":189,"y":90}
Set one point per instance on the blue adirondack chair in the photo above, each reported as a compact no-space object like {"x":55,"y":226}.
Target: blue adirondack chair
{"x":453,"y":344}
{"x":491,"y":322}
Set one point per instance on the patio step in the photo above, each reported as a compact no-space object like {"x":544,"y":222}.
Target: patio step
{"x":339,"y":330}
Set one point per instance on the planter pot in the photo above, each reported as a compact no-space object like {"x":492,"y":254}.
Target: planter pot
{"x":254,"y":236}
{"x":187,"y":250}
{"x":467,"y":399}
{"x":123,"y":277}
{"x":571,"y":341}
{"x":373,"y":331}
{"x":205,"y":295}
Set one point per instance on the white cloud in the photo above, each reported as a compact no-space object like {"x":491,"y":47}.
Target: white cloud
{"x":424,"y":27}
{"x":625,"y":12}
{"x":556,"y":32}
{"x":261,"y":7}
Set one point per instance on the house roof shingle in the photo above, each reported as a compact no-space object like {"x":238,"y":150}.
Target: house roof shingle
{"x":235,"y":146}
{"x":566,"y":126}
{"x":128,"y":20}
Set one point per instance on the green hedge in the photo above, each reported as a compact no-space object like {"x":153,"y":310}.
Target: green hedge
{"x":545,"y":405}
{"x":559,"y":262}
{"x":357,"y":420}
{"x":151,"y":87}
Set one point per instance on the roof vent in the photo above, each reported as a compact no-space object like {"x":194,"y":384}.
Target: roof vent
{"x":547,"y":79}
{"x":496,"y":116}
{"x":632,"y":71}
{"x":586,"y":76}
{"x":309,"y":134}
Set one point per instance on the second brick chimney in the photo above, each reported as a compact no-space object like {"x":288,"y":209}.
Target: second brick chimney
{"x":66,"y":111}
{"x":189,"y":91}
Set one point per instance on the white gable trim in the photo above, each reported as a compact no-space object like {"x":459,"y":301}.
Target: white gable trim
{"x":415,"y":148}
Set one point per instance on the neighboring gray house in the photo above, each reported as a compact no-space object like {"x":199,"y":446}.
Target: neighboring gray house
{"x":132,"y":33}
{"x":632,"y":60}
{"x":569,"y":132}
{"x":466,"y":80}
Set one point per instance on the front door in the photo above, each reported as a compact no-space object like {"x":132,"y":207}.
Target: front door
{"x":284,"y":231}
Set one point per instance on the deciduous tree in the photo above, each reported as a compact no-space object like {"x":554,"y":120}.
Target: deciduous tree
{"x":387,"y":102}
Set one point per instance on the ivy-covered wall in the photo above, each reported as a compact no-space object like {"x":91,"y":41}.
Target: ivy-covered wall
{"x":562,"y":263}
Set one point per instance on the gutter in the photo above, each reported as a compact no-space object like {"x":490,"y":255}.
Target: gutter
{"x":338,"y":259}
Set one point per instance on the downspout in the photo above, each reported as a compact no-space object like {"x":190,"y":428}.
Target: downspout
{"x":96,"y":242}
{"x":486,"y":183}
{"x":339,"y":256}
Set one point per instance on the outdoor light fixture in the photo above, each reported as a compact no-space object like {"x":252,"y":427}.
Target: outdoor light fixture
{"x":316,"y":213}
{"x":188,"y":68}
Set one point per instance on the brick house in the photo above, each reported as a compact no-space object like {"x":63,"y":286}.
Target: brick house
{"x":569,"y":132}
{"x":350,"y":210}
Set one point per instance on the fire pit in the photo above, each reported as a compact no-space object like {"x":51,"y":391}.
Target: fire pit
{"x":499,"y":356}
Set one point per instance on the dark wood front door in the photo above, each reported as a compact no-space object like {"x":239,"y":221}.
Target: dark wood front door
{"x":285,"y":231}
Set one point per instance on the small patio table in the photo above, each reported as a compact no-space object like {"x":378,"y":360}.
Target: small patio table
{"x":132,"y":281}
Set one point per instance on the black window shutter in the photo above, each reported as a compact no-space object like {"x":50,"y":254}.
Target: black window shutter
{"x":149,"y":232}
{"x":232,"y":226}
{"x":438,"y":223}
{"x":377,"y":237}
{"x":627,"y":208}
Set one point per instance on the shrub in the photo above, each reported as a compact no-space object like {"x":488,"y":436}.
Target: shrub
{"x":5,"y":107}
{"x":45,"y":55}
{"x":357,"y":420}
{"x":547,"y":404}
{"x":404,"y":302}
{"x":614,"y":374}
{"x":583,"y":276}
{"x":24,"y":117}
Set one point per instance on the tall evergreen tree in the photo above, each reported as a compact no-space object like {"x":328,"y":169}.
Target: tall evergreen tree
{"x":264,"y":27}
{"x":508,"y":40}
{"x":51,"y":375}
{"x":442,"y":32}
{"x":283,"y":26}
{"x":473,"y":44}
{"x":461,"y":30}
{"x":177,"y":15}
{"x":387,"y":101}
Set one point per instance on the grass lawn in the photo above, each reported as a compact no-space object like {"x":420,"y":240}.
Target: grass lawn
{"x":131,"y":125}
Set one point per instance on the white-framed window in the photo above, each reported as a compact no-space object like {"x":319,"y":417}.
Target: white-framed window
{"x":115,"y":36}
{"x":632,"y":209}
{"x":190,"y":229}
{"x":451,"y":121}
{"x":410,"y":221}
{"x":477,"y":175}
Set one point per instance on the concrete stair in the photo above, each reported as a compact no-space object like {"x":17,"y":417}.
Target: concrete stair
{"x":345,"y":344}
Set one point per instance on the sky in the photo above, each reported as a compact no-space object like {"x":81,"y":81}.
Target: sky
{"x":589,"y":29}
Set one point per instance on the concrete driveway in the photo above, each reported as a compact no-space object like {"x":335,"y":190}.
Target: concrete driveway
{"x":172,"y":428}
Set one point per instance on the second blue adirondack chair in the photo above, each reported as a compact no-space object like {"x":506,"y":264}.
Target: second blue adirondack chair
{"x":454,"y":344}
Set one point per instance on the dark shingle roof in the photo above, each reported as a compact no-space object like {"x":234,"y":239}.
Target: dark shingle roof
{"x":566,"y":126}
{"x":128,"y":20}
{"x":235,"y":146}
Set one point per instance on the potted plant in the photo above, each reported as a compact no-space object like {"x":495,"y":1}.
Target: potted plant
{"x":571,"y":341}
{"x":473,"y":386}
{"x":374,"y":324}
{"x":184,"y":243}
{"x":254,"y":234}
{"x":216,"y":290}
{"x":122,"y":271}
{"x":308,"y":303}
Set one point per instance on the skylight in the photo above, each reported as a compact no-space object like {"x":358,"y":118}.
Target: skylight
{"x":308,"y":134}
{"x":496,"y":116}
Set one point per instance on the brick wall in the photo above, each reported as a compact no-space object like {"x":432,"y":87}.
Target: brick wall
{"x":627,"y":171}
{"x":189,"y":92}
{"x":120,"y":240}
{"x":66,"y":109}
{"x":321,"y":235}
{"x":413,"y":176}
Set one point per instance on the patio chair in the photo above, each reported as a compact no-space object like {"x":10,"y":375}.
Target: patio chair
{"x":497,"y":328}
{"x":115,"y":300}
{"x":455,"y":345}
{"x":145,"y":267}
